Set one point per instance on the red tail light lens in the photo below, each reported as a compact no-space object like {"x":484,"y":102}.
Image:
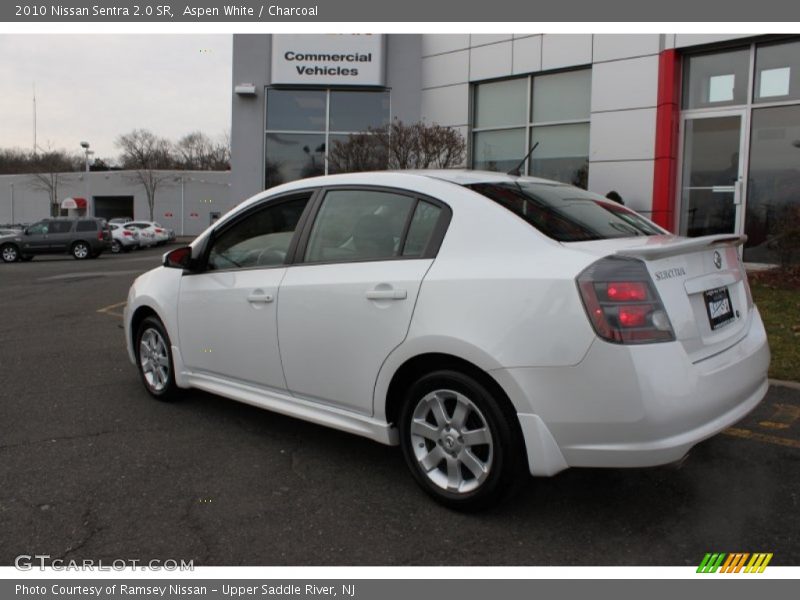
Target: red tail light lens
{"x":159,"y":230}
{"x":622,"y":304}
{"x":127,"y":233}
{"x":626,"y":291}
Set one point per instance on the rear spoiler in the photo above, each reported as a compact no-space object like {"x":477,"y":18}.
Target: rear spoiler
{"x":684,"y":245}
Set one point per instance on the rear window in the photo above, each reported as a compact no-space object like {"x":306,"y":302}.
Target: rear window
{"x":566,"y":213}
{"x":86,"y":226}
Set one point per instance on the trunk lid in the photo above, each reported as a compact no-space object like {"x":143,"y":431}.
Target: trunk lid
{"x":701,"y":282}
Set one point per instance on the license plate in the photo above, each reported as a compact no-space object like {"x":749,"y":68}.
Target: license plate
{"x":718,"y":307}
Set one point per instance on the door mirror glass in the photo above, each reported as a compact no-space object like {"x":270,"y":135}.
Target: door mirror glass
{"x":181,"y":258}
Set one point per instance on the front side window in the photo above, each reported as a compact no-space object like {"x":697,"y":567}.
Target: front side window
{"x":357,"y":225}
{"x":261,"y":239}
{"x":552,"y":110}
{"x":565,"y":213}
{"x":38,"y":228}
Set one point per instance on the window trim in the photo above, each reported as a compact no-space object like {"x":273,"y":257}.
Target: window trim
{"x":202,"y":260}
{"x":430,"y":252}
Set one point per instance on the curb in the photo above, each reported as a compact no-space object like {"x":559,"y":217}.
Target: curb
{"x":794,"y":385}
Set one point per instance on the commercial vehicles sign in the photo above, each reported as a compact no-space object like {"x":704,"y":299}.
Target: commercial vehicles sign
{"x":328,"y":60}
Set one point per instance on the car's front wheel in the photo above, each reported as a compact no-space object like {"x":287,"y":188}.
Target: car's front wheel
{"x":116,"y":247}
{"x":460,"y":442}
{"x":154,"y":359}
{"x":10,"y":253}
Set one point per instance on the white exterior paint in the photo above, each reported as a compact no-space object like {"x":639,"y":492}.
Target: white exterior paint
{"x":510,"y":308}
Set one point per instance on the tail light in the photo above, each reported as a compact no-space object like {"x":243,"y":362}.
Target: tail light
{"x":159,"y":230}
{"x":622,"y":304}
{"x":100,"y":233}
{"x":127,"y":233}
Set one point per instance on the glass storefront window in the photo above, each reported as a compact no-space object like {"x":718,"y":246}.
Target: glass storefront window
{"x":358,"y":110}
{"x":498,"y":150}
{"x":561,"y":97}
{"x":777,"y":72}
{"x":501,"y":103}
{"x":296,"y":110}
{"x":716,"y":80}
{"x":301,"y":122}
{"x":553,"y":109}
{"x":293,"y":156}
{"x":562,"y":153}
{"x":772,"y":218}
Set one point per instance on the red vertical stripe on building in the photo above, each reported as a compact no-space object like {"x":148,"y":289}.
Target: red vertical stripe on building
{"x":667,"y":129}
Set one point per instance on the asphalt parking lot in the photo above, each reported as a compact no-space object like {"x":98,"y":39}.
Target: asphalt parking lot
{"x":92,"y":467}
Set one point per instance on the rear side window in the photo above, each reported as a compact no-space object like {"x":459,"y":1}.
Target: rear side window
{"x":420,"y":232}
{"x":359,"y":225}
{"x":565,"y":213}
{"x":86,"y":226}
{"x":61,"y":226}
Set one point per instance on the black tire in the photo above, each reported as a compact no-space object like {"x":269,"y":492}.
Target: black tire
{"x":158,"y":386}
{"x":503,"y":459}
{"x":80,"y":250}
{"x":116,"y":247}
{"x":9,"y":253}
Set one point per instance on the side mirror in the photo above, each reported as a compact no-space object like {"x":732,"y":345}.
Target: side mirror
{"x":180,"y":258}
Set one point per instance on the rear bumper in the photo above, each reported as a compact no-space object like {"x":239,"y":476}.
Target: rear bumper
{"x":635,"y":406}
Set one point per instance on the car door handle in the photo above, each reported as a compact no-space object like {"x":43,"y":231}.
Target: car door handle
{"x":257,"y":298}
{"x":387,"y":294}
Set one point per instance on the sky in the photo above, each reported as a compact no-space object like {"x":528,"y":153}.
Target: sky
{"x":96,"y":87}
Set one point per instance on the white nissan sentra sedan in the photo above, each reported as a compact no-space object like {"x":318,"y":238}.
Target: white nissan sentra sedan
{"x":490,"y":325}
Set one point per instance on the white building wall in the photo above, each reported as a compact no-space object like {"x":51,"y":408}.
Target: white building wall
{"x":204,"y":192}
{"x":624,"y":93}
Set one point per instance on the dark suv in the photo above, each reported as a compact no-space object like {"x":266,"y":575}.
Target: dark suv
{"x":83,"y":237}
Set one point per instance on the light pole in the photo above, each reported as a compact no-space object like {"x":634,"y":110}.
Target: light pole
{"x":87,"y":153}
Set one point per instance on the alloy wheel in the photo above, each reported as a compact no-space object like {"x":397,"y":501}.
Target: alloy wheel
{"x":10,"y":254}
{"x":452,"y":441}
{"x":154,"y":360}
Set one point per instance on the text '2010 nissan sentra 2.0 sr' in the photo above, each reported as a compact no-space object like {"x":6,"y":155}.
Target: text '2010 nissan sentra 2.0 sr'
{"x":490,"y":325}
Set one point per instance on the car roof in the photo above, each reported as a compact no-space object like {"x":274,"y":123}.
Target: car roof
{"x":470,"y":176}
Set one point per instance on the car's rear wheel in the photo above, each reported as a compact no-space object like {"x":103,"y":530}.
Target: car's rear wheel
{"x":80,"y":250}
{"x":9,"y":253}
{"x":154,"y":359}
{"x":116,"y":247}
{"x":460,"y":442}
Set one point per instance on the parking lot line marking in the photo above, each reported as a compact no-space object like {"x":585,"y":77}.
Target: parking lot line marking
{"x":761,"y":437}
{"x":108,"y":310}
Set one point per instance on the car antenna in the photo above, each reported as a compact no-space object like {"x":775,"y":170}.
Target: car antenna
{"x":516,"y":170}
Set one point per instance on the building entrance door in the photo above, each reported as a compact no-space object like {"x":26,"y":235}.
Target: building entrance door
{"x":714,"y":151}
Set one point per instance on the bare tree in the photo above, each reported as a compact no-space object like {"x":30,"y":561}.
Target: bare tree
{"x":49,"y":169}
{"x":198,"y":152}
{"x":147,"y":155}
{"x":399,"y":146}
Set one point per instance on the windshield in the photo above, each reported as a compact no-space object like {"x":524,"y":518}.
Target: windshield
{"x":566,"y":213}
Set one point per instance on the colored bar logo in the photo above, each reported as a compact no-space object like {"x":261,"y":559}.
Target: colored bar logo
{"x":734,"y":562}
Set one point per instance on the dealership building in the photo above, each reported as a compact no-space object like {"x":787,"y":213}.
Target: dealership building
{"x":699,"y":132}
